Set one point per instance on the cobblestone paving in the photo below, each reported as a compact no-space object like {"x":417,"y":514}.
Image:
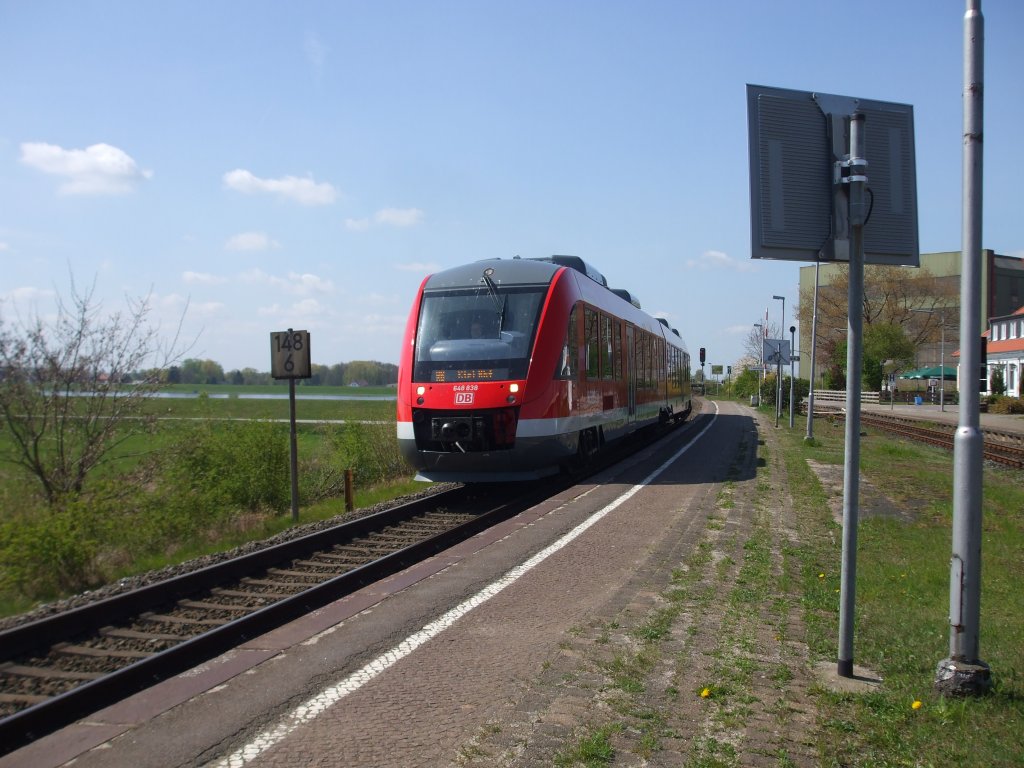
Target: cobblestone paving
{"x":626,"y":688}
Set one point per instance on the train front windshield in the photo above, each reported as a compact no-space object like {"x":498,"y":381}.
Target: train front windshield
{"x":476,"y":334}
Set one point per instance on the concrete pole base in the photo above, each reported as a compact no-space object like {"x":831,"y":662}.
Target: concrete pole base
{"x":962,"y":678}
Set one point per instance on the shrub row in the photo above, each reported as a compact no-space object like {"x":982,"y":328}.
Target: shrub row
{"x":215,"y":477}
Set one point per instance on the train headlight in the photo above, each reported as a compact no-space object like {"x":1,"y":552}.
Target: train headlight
{"x":513,"y":388}
{"x":421,"y":390}
{"x":510,"y":399}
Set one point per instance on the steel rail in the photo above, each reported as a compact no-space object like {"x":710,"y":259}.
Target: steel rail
{"x":48,"y":716}
{"x":45,"y":717}
{"x":999,"y":446}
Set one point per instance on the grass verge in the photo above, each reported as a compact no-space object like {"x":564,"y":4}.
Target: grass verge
{"x":902,"y":599}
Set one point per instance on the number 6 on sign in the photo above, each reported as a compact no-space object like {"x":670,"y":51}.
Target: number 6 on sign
{"x":289,"y":355}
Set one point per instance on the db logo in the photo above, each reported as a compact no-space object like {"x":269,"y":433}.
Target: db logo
{"x":463,"y":398}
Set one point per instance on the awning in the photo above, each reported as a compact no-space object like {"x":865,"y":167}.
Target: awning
{"x":933,"y":372}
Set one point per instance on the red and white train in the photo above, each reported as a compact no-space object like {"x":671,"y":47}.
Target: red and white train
{"x":512,"y":369}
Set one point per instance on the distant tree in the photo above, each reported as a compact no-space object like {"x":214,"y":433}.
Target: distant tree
{"x":336,"y":376}
{"x":882,"y":342}
{"x":64,"y":402}
{"x":194,"y":371}
{"x":746,"y":383}
{"x":370,"y":372}
{"x":174,"y":375}
{"x":754,"y":341}
{"x":236,"y":377}
{"x":891,"y":297}
{"x":996,"y":383}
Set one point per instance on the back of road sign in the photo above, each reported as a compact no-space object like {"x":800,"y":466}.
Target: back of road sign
{"x":798,"y":143}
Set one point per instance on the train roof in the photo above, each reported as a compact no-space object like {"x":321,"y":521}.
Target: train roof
{"x":506,"y":272}
{"x":531,"y":271}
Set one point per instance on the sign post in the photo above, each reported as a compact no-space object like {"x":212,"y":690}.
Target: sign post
{"x":289,"y":359}
{"x":810,"y":201}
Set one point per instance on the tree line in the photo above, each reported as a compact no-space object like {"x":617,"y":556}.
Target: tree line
{"x":363,"y":373}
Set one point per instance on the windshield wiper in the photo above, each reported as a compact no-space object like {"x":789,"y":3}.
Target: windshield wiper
{"x":499,"y":302}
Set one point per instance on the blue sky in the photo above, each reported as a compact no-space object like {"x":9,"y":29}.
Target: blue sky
{"x":306,"y":164}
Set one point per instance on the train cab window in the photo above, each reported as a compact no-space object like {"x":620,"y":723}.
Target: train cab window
{"x":592,"y":341}
{"x":465,"y":334}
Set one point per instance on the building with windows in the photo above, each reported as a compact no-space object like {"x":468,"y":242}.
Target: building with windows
{"x":1005,"y":350}
{"x":1002,"y":293}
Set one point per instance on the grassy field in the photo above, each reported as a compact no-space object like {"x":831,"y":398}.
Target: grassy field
{"x":212,"y":474}
{"x":902,"y":604}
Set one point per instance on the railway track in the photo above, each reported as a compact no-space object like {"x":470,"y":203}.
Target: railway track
{"x":64,"y":666}
{"x":59,"y":668}
{"x":1001,"y":447}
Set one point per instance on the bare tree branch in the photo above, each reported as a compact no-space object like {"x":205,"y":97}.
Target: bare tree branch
{"x":71,"y":391}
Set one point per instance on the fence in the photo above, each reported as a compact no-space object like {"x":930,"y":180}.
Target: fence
{"x":839,"y":396}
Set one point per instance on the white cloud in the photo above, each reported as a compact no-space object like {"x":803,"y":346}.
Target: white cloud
{"x":357,"y":225}
{"x":251,"y":241}
{"x":419,"y":267}
{"x":99,"y":169}
{"x":294,"y":284}
{"x":398,"y":217}
{"x":316,"y":55}
{"x":203,"y":278}
{"x":719,"y":260}
{"x":28,"y":294}
{"x":387,"y":217}
{"x":302,"y":190}
{"x":304,"y":309}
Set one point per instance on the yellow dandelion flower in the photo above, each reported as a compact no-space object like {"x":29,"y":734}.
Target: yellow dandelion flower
{"x":821,"y":575}
{"x":705,"y":693}
{"x":916,"y":704}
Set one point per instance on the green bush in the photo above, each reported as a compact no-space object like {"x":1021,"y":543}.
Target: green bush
{"x":47,"y":551}
{"x":369,"y":450}
{"x":801,"y":389}
{"x":1005,"y":405}
{"x":236,"y":465}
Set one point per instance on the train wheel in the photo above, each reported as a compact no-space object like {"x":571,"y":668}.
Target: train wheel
{"x":590,"y":442}
{"x":587,"y":447}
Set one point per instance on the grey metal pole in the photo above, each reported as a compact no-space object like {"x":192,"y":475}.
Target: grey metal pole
{"x":814,"y":346}
{"x":964,"y":672}
{"x":760,"y":373}
{"x":293,"y":451}
{"x":855,"y":343}
{"x":778,"y":366}
{"x":942,"y":361}
{"x":792,"y":347}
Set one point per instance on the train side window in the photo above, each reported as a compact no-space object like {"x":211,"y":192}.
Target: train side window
{"x":617,"y":354}
{"x":606,"y":342}
{"x":570,"y":350}
{"x":590,"y":335}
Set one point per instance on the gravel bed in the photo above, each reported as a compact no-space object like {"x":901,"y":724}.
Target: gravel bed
{"x":135,"y":582}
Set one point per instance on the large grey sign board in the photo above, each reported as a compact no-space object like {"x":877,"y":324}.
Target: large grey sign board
{"x":798,"y":211}
{"x":775,"y":351}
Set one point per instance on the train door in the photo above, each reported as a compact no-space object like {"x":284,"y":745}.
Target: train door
{"x":630,"y":372}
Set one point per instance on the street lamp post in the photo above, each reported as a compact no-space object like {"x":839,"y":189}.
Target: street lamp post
{"x":809,"y":437}
{"x":778,"y":370}
{"x":792,"y":346}
{"x":760,"y":374}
